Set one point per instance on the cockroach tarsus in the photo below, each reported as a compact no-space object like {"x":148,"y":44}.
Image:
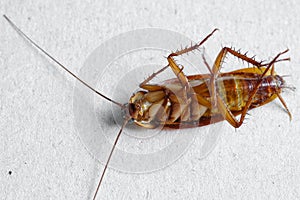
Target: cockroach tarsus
{"x":196,"y":100}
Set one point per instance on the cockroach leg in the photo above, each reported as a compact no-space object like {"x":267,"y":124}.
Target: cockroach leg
{"x":196,"y":46}
{"x":206,"y":64}
{"x":278,"y":95}
{"x":192,"y":96}
{"x":177,"y":71}
{"x":224,"y":51}
{"x":152,"y":76}
{"x":227,"y":114}
{"x":182,"y":77}
{"x":218,"y":64}
{"x":247,"y":106}
{"x":151,"y":88}
{"x":285,"y":106}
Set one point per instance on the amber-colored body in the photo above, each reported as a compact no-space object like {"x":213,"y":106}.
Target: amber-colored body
{"x":168,"y":104}
{"x":189,"y":101}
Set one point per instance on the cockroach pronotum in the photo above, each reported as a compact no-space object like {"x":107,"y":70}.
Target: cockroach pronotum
{"x":197,"y":100}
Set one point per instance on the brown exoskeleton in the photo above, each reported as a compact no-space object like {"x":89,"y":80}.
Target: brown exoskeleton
{"x":197,"y":100}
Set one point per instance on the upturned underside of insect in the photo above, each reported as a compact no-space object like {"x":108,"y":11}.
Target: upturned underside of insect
{"x":197,"y":100}
{"x":169,"y":104}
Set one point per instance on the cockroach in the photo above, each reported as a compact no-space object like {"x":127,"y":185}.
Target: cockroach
{"x":196,"y":100}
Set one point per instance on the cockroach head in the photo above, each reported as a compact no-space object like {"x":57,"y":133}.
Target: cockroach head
{"x":134,"y":107}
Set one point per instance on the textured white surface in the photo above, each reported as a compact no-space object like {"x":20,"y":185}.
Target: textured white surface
{"x":39,"y":143}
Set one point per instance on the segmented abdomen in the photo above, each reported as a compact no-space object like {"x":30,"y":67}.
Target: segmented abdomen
{"x":236,"y":91}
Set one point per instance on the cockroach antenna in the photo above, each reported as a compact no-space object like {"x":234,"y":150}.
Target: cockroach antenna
{"x":58,"y":63}
{"x":127,"y":117}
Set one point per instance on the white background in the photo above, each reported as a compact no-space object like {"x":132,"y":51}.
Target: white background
{"x":38,"y":141}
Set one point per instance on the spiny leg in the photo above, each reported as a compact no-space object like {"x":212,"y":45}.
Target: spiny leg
{"x":216,"y":70}
{"x":218,"y":64}
{"x":248,"y":104}
{"x":196,"y":46}
{"x":237,"y":54}
{"x":222,"y":54}
{"x":228,"y":115}
{"x":178,"y":71}
{"x":216,"y":99}
{"x":284,"y":105}
{"x":144,"y":83}
{"x":196,"y":104}
{"x":174,"y":65}
{"x":278,"y":95}
{"x":219,"y":60}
